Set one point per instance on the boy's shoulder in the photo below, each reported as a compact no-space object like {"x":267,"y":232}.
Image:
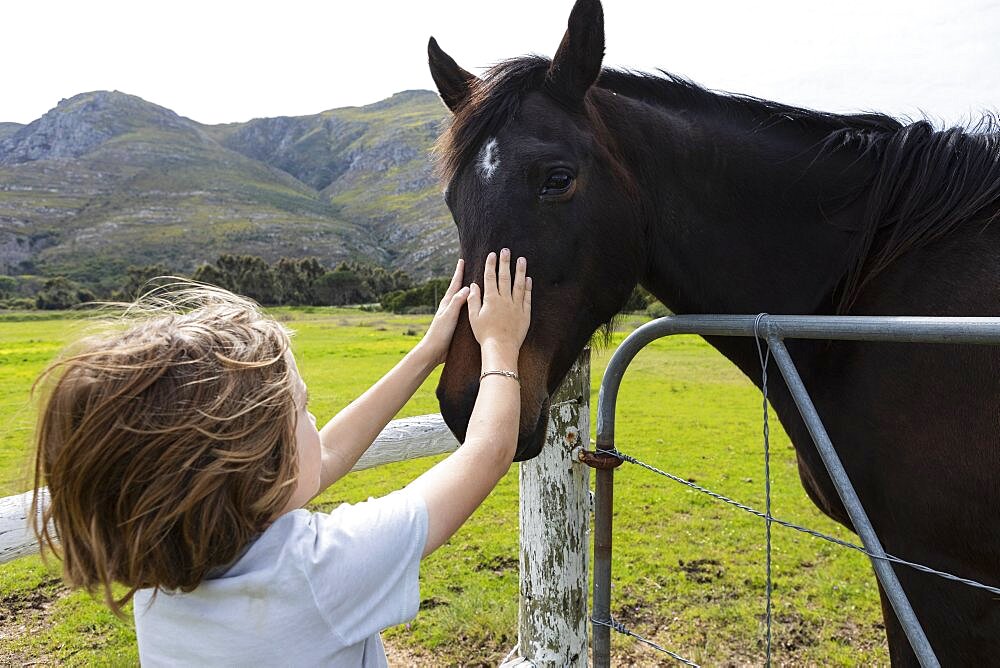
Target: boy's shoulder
{"x":397,"y":519}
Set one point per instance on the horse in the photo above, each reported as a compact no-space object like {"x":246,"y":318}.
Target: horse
{"x":723,"y":203}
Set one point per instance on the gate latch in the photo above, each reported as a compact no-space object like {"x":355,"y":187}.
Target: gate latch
{"x":601,"y":459}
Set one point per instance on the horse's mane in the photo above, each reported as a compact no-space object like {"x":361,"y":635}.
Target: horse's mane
{"x":926,"y":183}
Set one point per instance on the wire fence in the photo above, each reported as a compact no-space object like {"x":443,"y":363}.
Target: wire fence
{"x":618,"y":626}
{"x":764,"y":357}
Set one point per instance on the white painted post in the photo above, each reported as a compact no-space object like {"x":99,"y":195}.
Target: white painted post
{"x":555,"y":516}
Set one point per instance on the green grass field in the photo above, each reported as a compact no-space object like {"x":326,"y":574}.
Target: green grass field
{"x":689,"y":572}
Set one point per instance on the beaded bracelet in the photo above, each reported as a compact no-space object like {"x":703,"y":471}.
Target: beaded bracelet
{"x":498,"y":372}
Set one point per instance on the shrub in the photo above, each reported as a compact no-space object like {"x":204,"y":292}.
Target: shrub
{"x":21,"y":303}
{"x":658,"y":310}
{"x":62,"y":293}
{"x":427,"y":295}
{"x":8,"y":286}
{"x":638,"y":300}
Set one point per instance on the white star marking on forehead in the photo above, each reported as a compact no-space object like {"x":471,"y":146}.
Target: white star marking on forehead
{"x":489,"y":159}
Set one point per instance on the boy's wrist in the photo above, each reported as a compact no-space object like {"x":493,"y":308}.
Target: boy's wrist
{"x":498,"y":356}
{"x":424,"y":356}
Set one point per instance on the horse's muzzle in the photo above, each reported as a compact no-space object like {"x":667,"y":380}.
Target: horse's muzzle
{"x":529,"y":444}
{"x":457,"y":410}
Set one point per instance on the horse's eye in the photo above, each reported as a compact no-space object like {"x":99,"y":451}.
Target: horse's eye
{"x":557,"y":182}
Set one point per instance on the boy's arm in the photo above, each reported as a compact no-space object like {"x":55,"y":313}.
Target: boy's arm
{"x":455,"y":487}
{"x":351,"y":431}
{"x":346,"y":437}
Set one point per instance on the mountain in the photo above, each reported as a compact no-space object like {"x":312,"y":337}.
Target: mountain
{"x":374,"y":164}
{"x":107,"y":179}
{"x":7,"y":129}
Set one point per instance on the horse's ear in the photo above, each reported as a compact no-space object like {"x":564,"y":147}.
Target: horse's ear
{"x":577,"y":62}
{"x":453,"y":83}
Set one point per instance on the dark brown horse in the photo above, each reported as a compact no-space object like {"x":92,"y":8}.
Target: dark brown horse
{"x":730,"y":204}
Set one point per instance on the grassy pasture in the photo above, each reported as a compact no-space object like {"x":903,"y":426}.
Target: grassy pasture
{"x":688,"y":571}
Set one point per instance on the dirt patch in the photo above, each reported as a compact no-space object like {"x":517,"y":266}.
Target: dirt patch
{"x":401,"y":654}
{"x":26,"y":613}
{"x":861,"y":636}
{"x":498,"y":564}
{"x":792,"y":632}
{"x":637,"y":613}
{"x":405,"y":655}
{"x":431,"y":603}
{"x":18,"y":604}
{"x":702,"y":571}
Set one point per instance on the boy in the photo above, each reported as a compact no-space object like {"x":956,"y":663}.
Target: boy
{"x":179,"y":453}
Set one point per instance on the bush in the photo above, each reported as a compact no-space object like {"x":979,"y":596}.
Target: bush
{"x":19,"y":304}
{"x":8,"y":286}
{"x":658,"y":310}
{"x":638,"y":301}
{"x":339,"y":287}
{"x":427,"y":295}
{"x":61,"y":293}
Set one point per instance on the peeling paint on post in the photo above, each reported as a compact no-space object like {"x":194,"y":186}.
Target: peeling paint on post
{"x":555,"y":516}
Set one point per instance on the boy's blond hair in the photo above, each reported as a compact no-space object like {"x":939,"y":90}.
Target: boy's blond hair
{"x":167,"y":441}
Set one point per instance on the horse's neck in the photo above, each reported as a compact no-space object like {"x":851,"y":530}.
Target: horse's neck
{"x":736,"y":221}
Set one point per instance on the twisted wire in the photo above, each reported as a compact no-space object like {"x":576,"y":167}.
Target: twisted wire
{"x":764,"y":358}
{"x":621,"y":628}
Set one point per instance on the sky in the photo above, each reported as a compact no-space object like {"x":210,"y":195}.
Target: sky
{"x":219,"y":61}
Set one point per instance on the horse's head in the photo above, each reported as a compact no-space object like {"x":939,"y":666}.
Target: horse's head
{"x":530,"y":167}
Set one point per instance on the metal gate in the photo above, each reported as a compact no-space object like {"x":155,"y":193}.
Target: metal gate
{"x":773,"y":330}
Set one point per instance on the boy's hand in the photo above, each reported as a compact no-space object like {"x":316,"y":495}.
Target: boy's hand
{"x":438,"y":337}
{"x":500,"y":315}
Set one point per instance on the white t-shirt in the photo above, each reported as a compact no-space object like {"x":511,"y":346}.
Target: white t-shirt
{"x":314,"y":589}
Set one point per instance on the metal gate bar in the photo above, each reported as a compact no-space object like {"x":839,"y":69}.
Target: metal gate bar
{"x":775,"y":328}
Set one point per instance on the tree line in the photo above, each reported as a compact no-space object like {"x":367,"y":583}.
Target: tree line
{"x":287,"y":282}
{"x":302,"y":282}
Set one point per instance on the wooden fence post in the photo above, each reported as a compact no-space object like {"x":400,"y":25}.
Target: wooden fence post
{"x":555,"y":514}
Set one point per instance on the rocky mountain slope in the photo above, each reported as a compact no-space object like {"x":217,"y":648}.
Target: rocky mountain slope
{"x":7,"y":129}
{"x":106,"y":179}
